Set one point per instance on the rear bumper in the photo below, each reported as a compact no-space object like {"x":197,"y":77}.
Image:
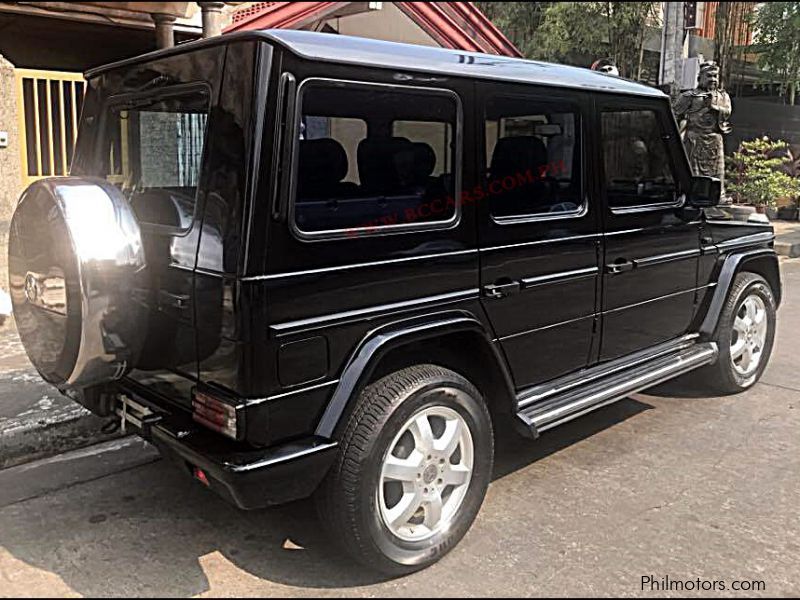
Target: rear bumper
{"x":254,"y":478}
{"x":246,"y":477}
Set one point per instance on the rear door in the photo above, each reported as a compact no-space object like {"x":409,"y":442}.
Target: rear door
{"x":538,"y":229}
{"x":652,"y":241}
{"x":152,"y":145}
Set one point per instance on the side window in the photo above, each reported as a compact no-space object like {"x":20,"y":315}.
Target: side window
{"x":371,"y":157}
{"x":533,"y":154}
{"x":637,"y":165}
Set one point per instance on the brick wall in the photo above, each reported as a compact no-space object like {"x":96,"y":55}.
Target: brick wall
{"x":10,"y":176}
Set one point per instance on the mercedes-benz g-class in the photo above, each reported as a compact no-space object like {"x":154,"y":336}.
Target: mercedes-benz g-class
{"x":301,"y":263}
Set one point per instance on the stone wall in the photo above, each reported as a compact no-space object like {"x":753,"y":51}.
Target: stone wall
{"x":10,"y":175}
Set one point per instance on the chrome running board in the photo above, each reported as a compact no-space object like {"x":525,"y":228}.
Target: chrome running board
{"x":577,"y":400}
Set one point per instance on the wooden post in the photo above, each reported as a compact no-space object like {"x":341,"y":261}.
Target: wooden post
{"x":165,"y":36}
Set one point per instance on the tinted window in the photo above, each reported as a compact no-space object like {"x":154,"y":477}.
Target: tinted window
{"x":371,"y":157}
{"x":533,"y":153}
{"x":636,"y":159}
{"x":437,"y":135}
{"x":154,"y":153}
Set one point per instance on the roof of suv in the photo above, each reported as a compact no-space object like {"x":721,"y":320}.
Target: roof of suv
{"x":412,"y":57}
{"x":363,"y":51}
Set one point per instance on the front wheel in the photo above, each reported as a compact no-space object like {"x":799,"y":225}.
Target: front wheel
{"x":745,"y":335}
{"x":413,"y":469}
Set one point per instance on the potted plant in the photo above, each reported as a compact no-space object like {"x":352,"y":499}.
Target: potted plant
{"x":757,"y":174}
{"x":789,"y":212}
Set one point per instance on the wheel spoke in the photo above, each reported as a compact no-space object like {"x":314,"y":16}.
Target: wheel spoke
{"x":740,"y":326}
{"x":402,"y":469}
{"x":455,"y":475}
{"x":761,"y":330}
{"x":448,"y":442}
{"x":433,"y":511}
{"x":751,"y":309}
{"x":738,"y":348}
{"x":423,"y":436}
{"x":400,"y":513}
{"x":747,"y":358}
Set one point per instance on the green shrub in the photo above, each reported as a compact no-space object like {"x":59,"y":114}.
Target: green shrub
{"x":756,"y":172}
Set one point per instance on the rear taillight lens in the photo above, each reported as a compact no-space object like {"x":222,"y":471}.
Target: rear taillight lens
{"x":216,"y":414}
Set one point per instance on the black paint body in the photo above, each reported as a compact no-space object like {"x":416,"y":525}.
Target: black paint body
{"x":293,"y":327}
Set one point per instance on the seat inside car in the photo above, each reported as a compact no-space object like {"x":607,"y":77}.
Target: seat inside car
{"x":322,"y":166}
{"x":514,"y":156}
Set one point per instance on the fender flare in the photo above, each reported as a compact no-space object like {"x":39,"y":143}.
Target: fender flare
{"x":381,"y":340}
{"x":733,"y":264}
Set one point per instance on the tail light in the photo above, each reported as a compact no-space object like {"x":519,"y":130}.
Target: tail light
{"x":216,"y":413}
{"x":201,"y":476}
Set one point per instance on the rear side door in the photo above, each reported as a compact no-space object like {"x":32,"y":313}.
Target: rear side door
{"x":651,"y":240}
{"x":538,"y":229}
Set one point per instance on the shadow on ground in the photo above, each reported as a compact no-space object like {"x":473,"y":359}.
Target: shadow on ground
{"x":152,"y":531}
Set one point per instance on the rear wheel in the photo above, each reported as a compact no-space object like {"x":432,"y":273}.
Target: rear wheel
{"x":415,"y":462}
{"x":745,"y":335}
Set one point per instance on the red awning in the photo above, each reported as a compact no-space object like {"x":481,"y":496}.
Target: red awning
{"x":458,"y":25}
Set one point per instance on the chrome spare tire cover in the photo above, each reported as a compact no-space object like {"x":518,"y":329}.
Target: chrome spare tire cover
{"x":75,"y":264}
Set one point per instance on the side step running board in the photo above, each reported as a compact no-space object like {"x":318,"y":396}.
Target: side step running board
{"x":575,"y":402}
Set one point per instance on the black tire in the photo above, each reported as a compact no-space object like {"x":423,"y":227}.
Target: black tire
{"x":721,"y":377}
{"x":347,"y":501}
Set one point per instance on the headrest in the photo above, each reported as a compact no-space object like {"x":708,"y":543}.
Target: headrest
{"x":322,"y":162}
{"x":517,"y":154}
{"x":424,"y":160}
{"x":384,"y":162}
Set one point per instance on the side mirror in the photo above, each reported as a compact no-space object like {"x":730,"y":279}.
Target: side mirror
{"x":705,"y":191}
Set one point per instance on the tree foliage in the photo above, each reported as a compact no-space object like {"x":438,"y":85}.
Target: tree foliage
{"x":757,"y":172}
{"x":730,"y":36}
{"x":519,"y":21}
{"x":778,"y":44}
{"x":578,"y":31}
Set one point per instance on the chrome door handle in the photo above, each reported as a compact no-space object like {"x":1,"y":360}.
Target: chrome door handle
{"x":501,"y":290}
{"x":620,"y":266}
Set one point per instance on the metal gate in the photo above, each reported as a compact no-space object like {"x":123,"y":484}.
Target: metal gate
{"x":49,"y":107}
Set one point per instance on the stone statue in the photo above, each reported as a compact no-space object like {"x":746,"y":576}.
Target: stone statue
{"x":703,"y":116}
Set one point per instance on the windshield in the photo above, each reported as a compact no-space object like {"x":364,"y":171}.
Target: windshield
{"x":153,"y":149}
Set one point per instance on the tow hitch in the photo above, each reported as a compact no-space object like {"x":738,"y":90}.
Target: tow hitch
{"x":138,"y":415}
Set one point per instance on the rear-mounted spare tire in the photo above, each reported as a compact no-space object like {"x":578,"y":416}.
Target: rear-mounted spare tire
{"x":76,"y":264}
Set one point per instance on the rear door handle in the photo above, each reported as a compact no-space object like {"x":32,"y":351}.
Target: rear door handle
{"x":179,"y":301}
{"x":620,"y":266}
{"x":501,"y":290}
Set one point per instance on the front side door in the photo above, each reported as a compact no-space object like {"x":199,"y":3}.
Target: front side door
{"x":651,"y":239}
{"x":538,"y":227}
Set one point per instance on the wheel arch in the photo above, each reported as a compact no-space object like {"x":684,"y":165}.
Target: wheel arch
{"x":762,"y":261}
{"x":442,"y":339}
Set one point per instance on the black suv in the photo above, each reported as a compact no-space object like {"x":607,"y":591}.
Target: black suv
{"x":308,"y":263}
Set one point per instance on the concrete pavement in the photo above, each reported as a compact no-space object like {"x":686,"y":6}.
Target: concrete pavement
{"x":787,"y":238}
{"x":35,"y":419}
{"x":668,"y":484}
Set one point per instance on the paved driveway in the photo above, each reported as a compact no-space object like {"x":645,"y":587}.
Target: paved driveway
{"x":667,"y":484}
